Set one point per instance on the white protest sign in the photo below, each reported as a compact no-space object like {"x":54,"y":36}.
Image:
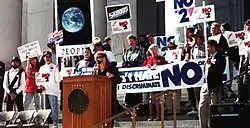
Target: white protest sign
{"x":179,"y":11}
{"x":203,"y":14}
{"x":173,"y":55}
{"x":31,"y":49}
{"x":162,"y":42}
{"x":230,"y":36}
{"x":121,"y":26}
{"x":71,"y":50}
{"x":244,"y":46}
{"x":42,"y":78}
{"x":240,"y":35}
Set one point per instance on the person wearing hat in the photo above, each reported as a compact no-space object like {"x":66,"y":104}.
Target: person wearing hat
{"x":14,"y":84}
{"x":51,"y":87}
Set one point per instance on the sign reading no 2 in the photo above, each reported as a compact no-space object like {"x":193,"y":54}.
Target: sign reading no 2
{"x":184,"y":8}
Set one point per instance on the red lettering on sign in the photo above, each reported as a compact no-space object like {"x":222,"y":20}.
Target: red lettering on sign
{"x":247,"y":43}
{"x":46,"y":75}
{"x":206,"y":10}
{"x":125,"y":23}
{"x":239,"y":35}
{"x":69,"y":71}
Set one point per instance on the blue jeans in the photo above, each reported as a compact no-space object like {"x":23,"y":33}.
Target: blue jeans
{"x":51,"y":101}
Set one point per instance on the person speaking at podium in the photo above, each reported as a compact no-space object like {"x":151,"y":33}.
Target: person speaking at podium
{"x":103,"y":67}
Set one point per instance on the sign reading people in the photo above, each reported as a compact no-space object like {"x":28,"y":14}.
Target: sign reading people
{"x":165,"y":77}
{"x":71,"y":50}
{"x":28,"y":50}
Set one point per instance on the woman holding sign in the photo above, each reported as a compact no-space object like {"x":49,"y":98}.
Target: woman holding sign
{"x":151,"y":61}
{"x":49,"y":72}
{"x":31,"y":88}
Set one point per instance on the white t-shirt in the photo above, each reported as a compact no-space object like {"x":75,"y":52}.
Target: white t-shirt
{"x":52,"y":87}
{"x":110,"y":56}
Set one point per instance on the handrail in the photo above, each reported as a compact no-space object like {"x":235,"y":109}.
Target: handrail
{"x":157,"y":95}
{"x":131,"y":108}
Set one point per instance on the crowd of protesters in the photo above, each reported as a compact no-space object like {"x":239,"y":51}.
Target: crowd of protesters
{"x":18,"y":80}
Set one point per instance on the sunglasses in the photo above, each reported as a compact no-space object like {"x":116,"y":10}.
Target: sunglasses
{"x":98,"y":57}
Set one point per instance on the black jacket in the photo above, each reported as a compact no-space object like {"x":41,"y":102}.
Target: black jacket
{"x":215,"y":72}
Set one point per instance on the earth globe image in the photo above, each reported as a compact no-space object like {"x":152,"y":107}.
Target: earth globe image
{"x":73,"y":20}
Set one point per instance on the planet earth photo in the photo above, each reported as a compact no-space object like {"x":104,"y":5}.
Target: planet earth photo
{"x":73,"y":20}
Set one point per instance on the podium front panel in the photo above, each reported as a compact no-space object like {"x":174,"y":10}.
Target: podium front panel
{"x":87,"y":100}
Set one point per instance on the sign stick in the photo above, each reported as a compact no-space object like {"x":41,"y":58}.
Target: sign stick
{"x":124,"y":43}
{"x":174,"y":109}
{"x":205,"y":32}
{"x":44,"y":101}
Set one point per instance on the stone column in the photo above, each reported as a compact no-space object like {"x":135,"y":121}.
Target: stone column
{"x":10,"y":28}
{"x":39,"y":21}
{"x":98,"y":18}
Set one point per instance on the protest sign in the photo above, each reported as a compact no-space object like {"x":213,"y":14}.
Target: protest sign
{"x":173,"y":55}
{"x":28,"y":50}
{"x":72,"y":71}
{"x":118,"y":12}
{"x":162,"y":42}
{"x":71,"y":50}
{"x":42,"y":78}
{"x":183,"y":10}
{"x":244,"y":46}
{"x":174,"y":76}
{"x":121,"y":26}
{"x":55,"y":37}
{"x":240,"y":35}
{"x":203,"y":14}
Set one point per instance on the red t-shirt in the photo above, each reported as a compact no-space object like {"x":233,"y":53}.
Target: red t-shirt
{"x":158,"y":60}
{"x":30,"y":85}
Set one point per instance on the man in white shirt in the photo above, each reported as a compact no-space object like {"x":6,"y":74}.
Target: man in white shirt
{"x":51,"y":87}
{"x":14,"y":84}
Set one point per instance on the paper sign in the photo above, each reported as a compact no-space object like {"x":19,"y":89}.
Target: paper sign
{"x":71,"y":50}
{"x":173,"y":55}
{"x":31,"y":49}
{"x":240,"y":35}
{"x":121,"y":26}
{"x":42,"y":78}
{"x":55,"y":37}
{"x":203,"y":14}
{"x":118,"y":12}
{"x":230,"y":36}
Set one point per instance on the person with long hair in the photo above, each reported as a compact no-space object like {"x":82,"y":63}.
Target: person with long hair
{"x":31,"y":88}
{"x":87,"y":61}
{"x":104,"y":68}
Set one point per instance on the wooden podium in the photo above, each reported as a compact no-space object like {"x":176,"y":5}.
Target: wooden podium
{"x":87,"y":100}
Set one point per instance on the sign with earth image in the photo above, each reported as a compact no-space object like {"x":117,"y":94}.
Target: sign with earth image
{"x":73,"y":19}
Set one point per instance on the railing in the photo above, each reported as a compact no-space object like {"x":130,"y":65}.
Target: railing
{"x":132,"y":110}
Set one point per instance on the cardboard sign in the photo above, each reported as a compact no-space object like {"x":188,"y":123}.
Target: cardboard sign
{"x":42,"y":78}
{"x":71,"y":50}
{"x":240,"y":35}
{"x":28,"y":50}
{"x":183,"y":11}
{"x":173,"y":55}
{"x":162,"y":42}
{"x":118,"y":12}
{"x":203,"y":14}
{"x":121,"y":26}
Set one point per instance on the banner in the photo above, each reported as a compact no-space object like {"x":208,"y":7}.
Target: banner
{"x":71,"y":50}
{"x":203,"y":14}
{"x":121,"y":26}
{"x":31,"y":49}
{"x":72,"y":71}
{"x":118,"y":12}
{"x":165,"y":77}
